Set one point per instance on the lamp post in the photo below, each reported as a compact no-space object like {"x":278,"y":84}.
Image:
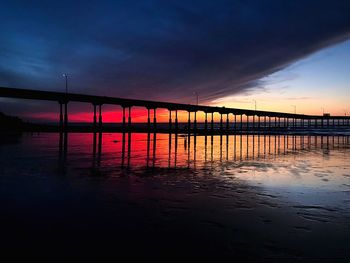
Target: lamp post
{"x":295,"y":111}
{"x":66,"y":77}
{"x":255,"y":104}
{"x":65,"y":106}
{"x":196,"y":93}
{"x":295,"y":108}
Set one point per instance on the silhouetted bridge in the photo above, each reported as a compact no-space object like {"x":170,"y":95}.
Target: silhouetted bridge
{"x":253,"y":121}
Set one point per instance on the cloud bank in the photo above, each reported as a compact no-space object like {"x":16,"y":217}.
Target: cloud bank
{"x":161,"y":49}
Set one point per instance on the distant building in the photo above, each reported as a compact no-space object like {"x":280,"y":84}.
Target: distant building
{"x":326,"y":114}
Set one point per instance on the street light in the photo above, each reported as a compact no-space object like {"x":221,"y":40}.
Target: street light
{"x":66,"y":77}
{"x":196,"y":93}
{"x":255,"y":104}
{"x":295,"y":108}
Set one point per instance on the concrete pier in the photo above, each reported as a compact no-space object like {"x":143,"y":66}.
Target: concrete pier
{"x":290,"y":122}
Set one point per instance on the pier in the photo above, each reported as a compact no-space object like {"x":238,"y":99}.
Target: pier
{"x":232,"y":120}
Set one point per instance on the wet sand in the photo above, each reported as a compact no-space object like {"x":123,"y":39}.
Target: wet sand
{"x":292,"y":207}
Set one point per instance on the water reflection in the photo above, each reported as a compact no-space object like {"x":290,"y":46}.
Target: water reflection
{"x":243,"y":189}
{"x":150,"y":150}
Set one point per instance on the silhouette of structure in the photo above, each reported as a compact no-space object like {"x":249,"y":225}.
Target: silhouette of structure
{"x":9,"y":123}
{"x":244,"y":121}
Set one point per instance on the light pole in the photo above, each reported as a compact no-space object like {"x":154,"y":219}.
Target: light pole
{"x":255,"y":104}
{"x":294,"y":119}
{"x":196,"y":93}
{"x":295,"y":108}
{"x":66,"y":77}
{"x":66,"y":107}
{"x":322,"y":110}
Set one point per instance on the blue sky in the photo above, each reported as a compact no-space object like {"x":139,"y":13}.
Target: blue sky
{"x":317,"y":83}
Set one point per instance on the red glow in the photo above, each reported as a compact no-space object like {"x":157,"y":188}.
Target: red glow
{"x":79,"y":112}
{"x":109,"y":115}
{"x":137,"y":114}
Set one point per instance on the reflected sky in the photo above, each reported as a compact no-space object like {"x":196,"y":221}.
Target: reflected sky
{"x":304,"y":169}
{"x":285,"y":160}
{"x":228,"y":192}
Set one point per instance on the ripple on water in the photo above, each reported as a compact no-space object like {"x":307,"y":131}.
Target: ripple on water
{"x":303,"y":228}
{"x":315,"y":207}
{"x":213,"y":223}
{"x":316,"y":213}
{"x":321,"y":175}
{"x":267,"y":195}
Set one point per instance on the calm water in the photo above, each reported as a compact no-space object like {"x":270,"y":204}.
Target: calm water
{"x":256,"y":198}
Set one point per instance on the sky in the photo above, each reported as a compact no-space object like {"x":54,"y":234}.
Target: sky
{"x":317,"y":84}
{"x":279,"y":55}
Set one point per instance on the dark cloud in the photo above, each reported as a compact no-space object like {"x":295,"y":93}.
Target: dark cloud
{"x":162,"y":49}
